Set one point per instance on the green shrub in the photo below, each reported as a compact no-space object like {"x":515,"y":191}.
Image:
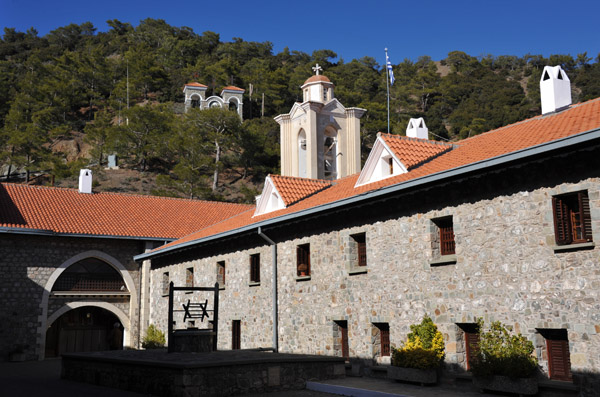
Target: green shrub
{"x":503,"y":353}
{"x":154,"y":339}
{"x":424,"y":348}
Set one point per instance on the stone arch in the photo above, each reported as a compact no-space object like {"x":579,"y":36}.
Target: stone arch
{"x":195,"y":101}
{"x":110,"y":260}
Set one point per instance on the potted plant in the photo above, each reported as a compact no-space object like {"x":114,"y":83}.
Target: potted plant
{"x":419,"y":359}
{"x":504,"y":361}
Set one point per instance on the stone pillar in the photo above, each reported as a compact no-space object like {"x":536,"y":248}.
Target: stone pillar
{"x":145,"y":293}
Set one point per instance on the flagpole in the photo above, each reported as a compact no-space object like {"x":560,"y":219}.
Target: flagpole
{"x":387,"y":83}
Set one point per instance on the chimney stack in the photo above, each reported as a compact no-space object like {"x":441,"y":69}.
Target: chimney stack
{"x":555,"y":89}
{"x":85,"y":181}
{"x":417,"y":129}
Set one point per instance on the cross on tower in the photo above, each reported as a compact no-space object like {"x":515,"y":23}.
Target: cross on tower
{"x":317,"y":69}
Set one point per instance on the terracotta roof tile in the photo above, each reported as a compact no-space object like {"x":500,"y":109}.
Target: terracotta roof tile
{"x":414,"y":151}
{"x":317,"y":78}
{"x":68,"y":211}
{"x":232,"y":88}
{"x":541,"y":129}
{"x":194,"y":84}
{"x":295,"y":189}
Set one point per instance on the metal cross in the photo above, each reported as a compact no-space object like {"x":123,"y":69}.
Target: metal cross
{"x":317,"y":69}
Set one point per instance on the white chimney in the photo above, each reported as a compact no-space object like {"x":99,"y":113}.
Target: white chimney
{"x":85,"y":181}
{"x":417,"y":129}
{"x":555,"y":89}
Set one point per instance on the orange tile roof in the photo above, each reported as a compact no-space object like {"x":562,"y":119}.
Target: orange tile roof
{"x":414,"y":151}
{"x":196,"y":85}
{"x":294,"y":189}
{"x":232,"y":88}
{"x":67,"y":211}
{"x":511,"y":138}
{"x":317,"y":78}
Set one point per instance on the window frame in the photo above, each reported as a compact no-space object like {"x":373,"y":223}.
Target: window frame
{"x":255,"y":268}
{"x":221,"y":275}
{"x":165,"y":284}
{"x":303,"y":257}
{"x":565,"y":208}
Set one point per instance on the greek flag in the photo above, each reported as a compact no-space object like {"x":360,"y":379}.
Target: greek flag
{"x":389,"y":68}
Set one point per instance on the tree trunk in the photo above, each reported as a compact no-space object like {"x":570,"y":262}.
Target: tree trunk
{"x":217,"y":159}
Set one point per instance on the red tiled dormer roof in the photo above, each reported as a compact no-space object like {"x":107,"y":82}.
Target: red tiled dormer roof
{"x":294,"y":189}
{"x":66,"y":211}
{"x":232,"y":88}
{"x":414,"y":151}
{"x":539,"y":130}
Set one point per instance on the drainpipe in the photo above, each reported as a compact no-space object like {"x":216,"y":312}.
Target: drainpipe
{"x":274,"y":261}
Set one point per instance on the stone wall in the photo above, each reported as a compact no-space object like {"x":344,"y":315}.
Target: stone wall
{"x":27,"y":263}
{"x":506,"y":268}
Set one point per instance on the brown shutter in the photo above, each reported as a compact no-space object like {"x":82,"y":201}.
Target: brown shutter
{"x":362,"y":253}
{"x":562,"y":223}
{"x":385,"y":342}
{"x":559,"y":363}
{"x":586,"y":219}
{"x":471,"y":347}
{"x":447,"y":246}
{"x":345,"y":349}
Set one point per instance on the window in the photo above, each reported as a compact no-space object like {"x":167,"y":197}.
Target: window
{"x":221,"y":273}
{"x":165,"y":283}
{"x":572,"y":221}
{"x":446,"y":236}
{"x":340,"y":338}
{"x":236,"y":335}
{"x":189,"y":277}
{"x":255,"y":268}
{"x":303,"y":260}
{"x":557,"y":348}
{"x":471,"y":342}
{"x":359,"y":247}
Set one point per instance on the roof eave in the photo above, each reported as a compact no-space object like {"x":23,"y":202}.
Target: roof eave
{"x":542,"y":148}
{"x":45,"y":232}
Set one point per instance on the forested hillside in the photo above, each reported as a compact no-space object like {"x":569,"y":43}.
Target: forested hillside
{"x":71,"y":97}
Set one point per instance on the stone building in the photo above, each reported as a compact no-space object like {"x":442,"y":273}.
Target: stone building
{"x":231,"y":98}
{"x":501,"y":226}
{"x":68,"y":274}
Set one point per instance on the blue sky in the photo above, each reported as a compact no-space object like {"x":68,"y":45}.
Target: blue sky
{"x":351,"y":28}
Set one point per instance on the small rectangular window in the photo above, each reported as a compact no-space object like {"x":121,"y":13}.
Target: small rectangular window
{"x":189,"y":277}
{"x":221,"y":273}
{"x":340,"y":338}
{"x":255,"y":268}
{"x":445,"y":235}
{"x":360,"y":243}
{"x":303,"y":260}
{"x":165,"y":283}
{"x":572,"y":220}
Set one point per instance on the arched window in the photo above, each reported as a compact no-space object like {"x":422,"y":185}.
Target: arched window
{"x":90,"y":274}
{"x":195,"y":101}
{"x":302,"y":171}
{"x":233,"y":105}
{"x":330,"y":154}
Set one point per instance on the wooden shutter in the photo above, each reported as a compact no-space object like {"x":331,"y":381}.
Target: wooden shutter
{"x":385,"y":341}
{"x":562,"y":221}
{"x":236,"y":334}
{"x":586,"y":219}
{"x":559,"y":363}
{"x":344,"y":331}
{"x":471,"y":348}
{"x":447,"y":246}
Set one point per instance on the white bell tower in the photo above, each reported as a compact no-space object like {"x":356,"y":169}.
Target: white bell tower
{"x":320,"y":138}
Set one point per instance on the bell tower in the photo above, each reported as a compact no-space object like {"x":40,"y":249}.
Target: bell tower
{"x":320,"y":138}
